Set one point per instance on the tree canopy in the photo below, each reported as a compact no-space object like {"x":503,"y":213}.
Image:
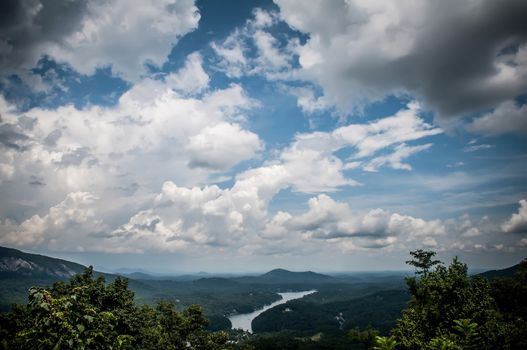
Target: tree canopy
{"x":87,"y":313}
{"x":451,"y":310}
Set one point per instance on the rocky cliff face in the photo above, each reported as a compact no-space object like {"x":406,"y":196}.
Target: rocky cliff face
{"x":29,"y":268}
{"x":16,"y":263}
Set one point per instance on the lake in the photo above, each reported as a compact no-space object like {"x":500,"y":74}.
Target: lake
{"x":243,"y":321}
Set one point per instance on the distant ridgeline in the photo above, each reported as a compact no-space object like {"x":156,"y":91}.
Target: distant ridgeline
{"x":508,"y":272}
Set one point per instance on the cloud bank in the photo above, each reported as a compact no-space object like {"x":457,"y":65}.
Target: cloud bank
{"x":94,"y":34}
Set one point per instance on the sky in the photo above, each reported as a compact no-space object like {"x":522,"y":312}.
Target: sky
{"x":240,"y":136}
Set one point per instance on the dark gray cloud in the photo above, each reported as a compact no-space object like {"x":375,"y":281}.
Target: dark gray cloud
{"x":129,"y":190}
{"x":26,"y":24}
{"x":52,"y":138}
{"x":75,"y":157}
{"x":91,"y":34}
{"x":36,"y":181}
{"x":26,"y":122}
{"x":12,"y":137}
{"x":151,"y":226}
{"x":455,"y":59}
{"x":458,"y":56}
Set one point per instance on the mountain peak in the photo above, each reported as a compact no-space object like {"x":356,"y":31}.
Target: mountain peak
{"x":286,"y":276}
{"x":276,"y":271}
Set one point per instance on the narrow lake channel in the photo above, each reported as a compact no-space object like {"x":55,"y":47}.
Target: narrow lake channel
{"x":244,"y":321}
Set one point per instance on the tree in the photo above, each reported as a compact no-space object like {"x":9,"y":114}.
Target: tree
{"x":385,"y":343}
{"x":88,"y":314}
{"x":448,"y":309}
{"x":422,"y":261}
{"x":510,"y":296}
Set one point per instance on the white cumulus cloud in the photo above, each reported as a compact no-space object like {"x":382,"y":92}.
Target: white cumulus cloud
{"x":65,"y":226}
{"x":517,"y":223}
{"x":222,"y":146}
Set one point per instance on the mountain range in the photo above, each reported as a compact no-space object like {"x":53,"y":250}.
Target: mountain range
{"x":14,"y":263}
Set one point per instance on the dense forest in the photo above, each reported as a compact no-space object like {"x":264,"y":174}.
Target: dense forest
{"x":443,"y":308}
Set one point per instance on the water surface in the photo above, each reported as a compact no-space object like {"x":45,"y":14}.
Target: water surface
{"x":243,"y":321}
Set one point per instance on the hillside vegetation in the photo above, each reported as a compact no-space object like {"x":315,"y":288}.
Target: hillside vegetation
{"x":87,"y":314}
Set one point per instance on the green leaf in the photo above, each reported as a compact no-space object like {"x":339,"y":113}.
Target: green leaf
{"x":58,"y":345}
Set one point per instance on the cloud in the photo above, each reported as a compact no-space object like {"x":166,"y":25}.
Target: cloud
{"x":473,"y":148}
{"x":89,"y":35}
{"x":508,"y":117}
{"x":26,"y":25}
{"x":13,"y":137}
{"x":263,"y":19}
{"x":65,"y":226}
{"x":222,"y":146}
{"x":307,"y":101}
{"x":458,"y":56}
{"x":6,"y":172}
{"x":237,"y":218}
{"x":253,"y":49}
{"x":313,"y":171}
{"x":405,"y":125}
{"x":191,"y":79}
{"x":465,"y":228}
{"x":328,"y":219}
{"x":269,"y":53}
{"x":394,"y":159}
{"x":518,"y":221}
{"x":314,"y":168}
{"x":232,"y":58}
{"x":157,"y":136}
{"x":201,"y":217}
{"x":153,"y":133}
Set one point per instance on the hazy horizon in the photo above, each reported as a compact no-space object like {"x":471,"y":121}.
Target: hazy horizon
{"x":199,"y":135}
{"x":174,"y":272}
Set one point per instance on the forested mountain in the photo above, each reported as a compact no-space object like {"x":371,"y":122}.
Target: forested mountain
{"x":285,"y":276}
{"x":507,"y":272}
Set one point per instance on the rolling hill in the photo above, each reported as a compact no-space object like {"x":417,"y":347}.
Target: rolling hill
{"x":285,"y":277}
{"x":503,"y":273}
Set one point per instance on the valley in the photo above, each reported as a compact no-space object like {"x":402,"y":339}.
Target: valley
{"x":235,"y":301}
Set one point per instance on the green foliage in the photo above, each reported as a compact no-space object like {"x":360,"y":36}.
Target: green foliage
{"x":385,"y":343}
{"x":368,"y":337}
{"x":451,"y":310}
{"x":442,"y":343}
{"x":510,"y":295}
{"x":291,"y":341}
{"x":422,"y":261}
{"x":87,"y":314}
